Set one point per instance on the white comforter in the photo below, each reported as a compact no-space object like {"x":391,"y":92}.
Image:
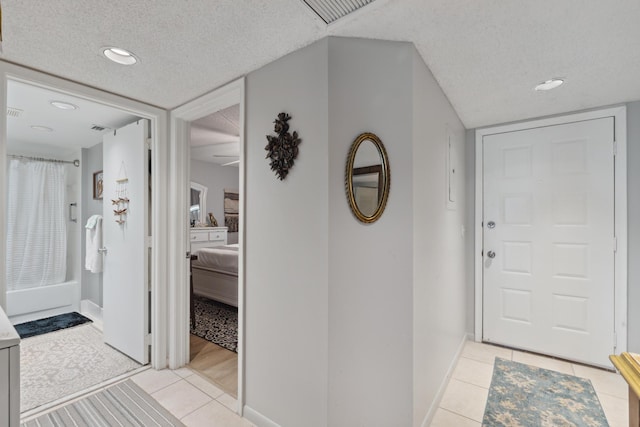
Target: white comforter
{"x":220,"y":258}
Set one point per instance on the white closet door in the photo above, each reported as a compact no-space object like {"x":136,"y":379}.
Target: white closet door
{"x":548,"y":282}
{"x":125,"y":280}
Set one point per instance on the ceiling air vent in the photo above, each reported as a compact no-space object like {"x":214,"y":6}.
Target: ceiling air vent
{"x":332,"y":10}
{"x":14,"y":112}
{"x":99,"y":128}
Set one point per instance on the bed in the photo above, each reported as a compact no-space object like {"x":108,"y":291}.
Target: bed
{"x":215,"y":273}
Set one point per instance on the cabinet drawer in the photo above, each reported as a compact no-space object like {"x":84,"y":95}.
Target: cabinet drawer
{"x":199,"y":237}
{"x":217,"y":235}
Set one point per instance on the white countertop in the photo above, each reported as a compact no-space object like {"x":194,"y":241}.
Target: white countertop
{"x":8,"y":335}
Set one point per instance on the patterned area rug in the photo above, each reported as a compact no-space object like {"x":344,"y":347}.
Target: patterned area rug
{"x":124,"y":404}
{"x":216,"y":322}
{"x":61,"y":363}
{"x":523,"y":395}
{"x":50,"y":324}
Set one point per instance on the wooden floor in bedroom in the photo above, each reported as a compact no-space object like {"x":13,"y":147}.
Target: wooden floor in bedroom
{"x":216,"y":363}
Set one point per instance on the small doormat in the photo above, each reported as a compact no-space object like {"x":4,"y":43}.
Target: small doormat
{"x":124,"y":404}
{"x":216,"y":322}
{"x":50,"y":324}
{"x":523,"y":395}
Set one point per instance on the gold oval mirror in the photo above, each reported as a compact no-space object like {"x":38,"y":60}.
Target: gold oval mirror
{"x":367,"y":178}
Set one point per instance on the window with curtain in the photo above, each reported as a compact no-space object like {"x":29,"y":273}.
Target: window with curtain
{"x":36,"y":224}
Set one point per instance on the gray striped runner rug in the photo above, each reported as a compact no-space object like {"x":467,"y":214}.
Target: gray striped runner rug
{"x":123,"y":404}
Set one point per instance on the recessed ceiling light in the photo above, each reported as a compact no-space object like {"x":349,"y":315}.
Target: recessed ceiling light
{"x":549,"y":84}
{"x":63,"y":105}
{"x":119,"y":55}
{"x":42,"y":128}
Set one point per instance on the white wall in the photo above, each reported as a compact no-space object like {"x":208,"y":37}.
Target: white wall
{"x":347,"y":323}
{"x":287,"y":244}
{"x":91,"y":162}
{"x":370,"y":265}
{"x":633,"y":211}
{"x":216,"y":178}
{"x":438,"y":243}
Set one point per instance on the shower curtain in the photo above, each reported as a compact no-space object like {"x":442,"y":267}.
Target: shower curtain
{"x":36,"y":225}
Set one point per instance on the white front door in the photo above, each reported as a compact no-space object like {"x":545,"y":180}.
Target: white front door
{"x":125,"y":230}
{"x":548,"y":230}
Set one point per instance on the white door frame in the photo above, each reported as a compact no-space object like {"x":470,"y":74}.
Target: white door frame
{"x":158,"y":118}
{"x":180,"y":118}
{"x":619,"y":114}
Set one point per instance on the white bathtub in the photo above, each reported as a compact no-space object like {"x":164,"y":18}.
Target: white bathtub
{"x":35,"y":303}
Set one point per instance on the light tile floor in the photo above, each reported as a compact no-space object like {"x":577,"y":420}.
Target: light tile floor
{"x":197,"y":402}
{"x":190,"y":398}
{"x":463,"y":402}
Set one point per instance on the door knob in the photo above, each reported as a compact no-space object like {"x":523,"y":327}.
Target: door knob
{"x":491,"y":254}
{"x":102,"y":250}
{"x":491,"y":224}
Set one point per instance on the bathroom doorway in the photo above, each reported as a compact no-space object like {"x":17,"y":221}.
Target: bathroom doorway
{"x":55,"y":137}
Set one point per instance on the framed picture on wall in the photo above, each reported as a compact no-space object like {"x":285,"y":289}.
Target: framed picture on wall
{"x":97,"y":185}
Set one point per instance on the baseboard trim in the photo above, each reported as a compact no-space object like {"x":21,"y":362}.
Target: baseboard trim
{"x":93,"y":311}
{"x":257,"y":418}
{"x":443,"y":385}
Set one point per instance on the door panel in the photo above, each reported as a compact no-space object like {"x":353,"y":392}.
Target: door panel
{"x":550,"y":286}
{"x":125,"y":277}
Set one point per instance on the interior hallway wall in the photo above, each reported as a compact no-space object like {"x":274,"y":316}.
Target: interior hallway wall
{"x":633,"y":212}
{"x":440,"y":283}
{"x":91,"y":162}
{"x":370,"y":265}
{"x":286,"y":246}
{"x":337,"y":310}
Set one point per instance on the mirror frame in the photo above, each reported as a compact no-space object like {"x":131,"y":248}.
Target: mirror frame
{"x":384,"y":178}
{"x":203,"y":200}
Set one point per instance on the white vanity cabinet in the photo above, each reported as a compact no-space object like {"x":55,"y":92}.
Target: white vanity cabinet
{"x":208,"y":237}
{"x":9,"y":373}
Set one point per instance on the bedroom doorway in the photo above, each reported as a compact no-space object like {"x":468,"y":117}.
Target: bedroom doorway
{"x":214,"y":146}
{"x":208,"y":315}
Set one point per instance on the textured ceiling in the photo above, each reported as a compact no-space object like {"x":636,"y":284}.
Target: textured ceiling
{"x":486,"y":54}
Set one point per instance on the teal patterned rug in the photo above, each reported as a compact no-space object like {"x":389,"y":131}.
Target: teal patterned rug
{"x":526,"y":396}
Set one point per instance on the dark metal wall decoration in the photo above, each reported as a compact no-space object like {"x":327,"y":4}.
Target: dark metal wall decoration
{"x":282,"y":149}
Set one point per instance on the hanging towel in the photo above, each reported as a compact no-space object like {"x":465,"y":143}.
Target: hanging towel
{"x":93,"y":260}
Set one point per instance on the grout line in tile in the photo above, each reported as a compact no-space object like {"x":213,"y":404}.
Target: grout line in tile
{"x":460,"y":415}
{"x":475,"y":360}
{"x":168,"y":385}
{"x":467,"y":382}
{"x":212,"y":400}
{"x":187,"y":382}
{"x":198,"y":408}
{"x":626,"y":399}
